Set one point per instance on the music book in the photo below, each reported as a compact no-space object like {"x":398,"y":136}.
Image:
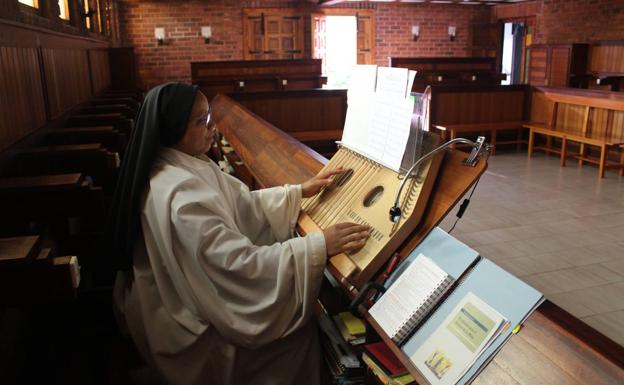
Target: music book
{"x":411,"y":297}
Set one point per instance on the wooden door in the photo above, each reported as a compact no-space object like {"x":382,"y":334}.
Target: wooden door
{"x":559,"y":64}
{"x":538,"y":66}
{"x":254,"y":49}
{"x":319,"y":39}
{"x":273,"y":35}
{"x":365,"y":38}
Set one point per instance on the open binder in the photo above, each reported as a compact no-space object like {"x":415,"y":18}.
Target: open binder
{"x":478,"y":276}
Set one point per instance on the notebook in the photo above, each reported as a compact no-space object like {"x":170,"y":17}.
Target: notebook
{"x":411,"y":297}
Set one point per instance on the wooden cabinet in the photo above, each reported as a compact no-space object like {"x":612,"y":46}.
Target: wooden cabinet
{"x":560,"y":65}
{"x":273,"y":36}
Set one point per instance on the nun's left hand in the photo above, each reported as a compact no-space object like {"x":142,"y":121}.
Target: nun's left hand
{"x":318,"y":182}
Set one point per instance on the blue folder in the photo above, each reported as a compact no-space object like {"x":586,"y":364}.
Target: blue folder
{"x":507,"y":294}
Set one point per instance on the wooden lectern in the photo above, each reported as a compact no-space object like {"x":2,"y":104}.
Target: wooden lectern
{"x":552,"y":348}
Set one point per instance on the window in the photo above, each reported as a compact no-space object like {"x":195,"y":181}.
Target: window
{"x":86,"y":11}
{"x":64,"y":8}
{"x":30,"y":3}
{"x":99,"y":16}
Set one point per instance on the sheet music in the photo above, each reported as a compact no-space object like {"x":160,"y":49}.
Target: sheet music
{"x":410,"y":82}
{"x":362,"y":79}
{"x":358,"y":120}
{"x":390,"y":128}
{"x":392,"y":81}
{"x":378,"y":120}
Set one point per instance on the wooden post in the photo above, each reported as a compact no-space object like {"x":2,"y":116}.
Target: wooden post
{"x":564,"y":145}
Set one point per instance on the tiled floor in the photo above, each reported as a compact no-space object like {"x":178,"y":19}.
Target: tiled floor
{"x":559,"y":229}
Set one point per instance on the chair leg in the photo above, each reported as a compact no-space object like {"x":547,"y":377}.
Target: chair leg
{"x":603,"y":159}
{"x":564,"y":147}
{"x":531,"y":138}
{"x":581,"y":154}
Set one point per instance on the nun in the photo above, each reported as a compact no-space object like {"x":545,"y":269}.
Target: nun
{"x":212,"y":286}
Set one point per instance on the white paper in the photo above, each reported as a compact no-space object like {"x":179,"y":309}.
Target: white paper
{"x":410,"y":82}
{"x":444,"y":357}
{"x":362,"y":79}
{"x":392,"y":81}
{"x":390,"y":129}
{"x":407,"y":294}
{"x":360,"y":113}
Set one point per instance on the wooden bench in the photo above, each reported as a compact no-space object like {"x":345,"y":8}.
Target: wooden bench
{"x":457,"y":110}
{"x":41,"y":200}
{"x":315,"y":117}
{"x":256,"y":75}
{"x":29,"y":271}
{"x":91,"y":159}
{"x":117,"y":120}
{"x":108,"y":136}
{"x":108,"y":109}
{"x":450,"y":71}
{"x":131,"y":103}
{"x":585,"y":117}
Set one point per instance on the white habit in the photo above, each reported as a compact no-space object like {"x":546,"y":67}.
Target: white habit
{"x":220,"y":292}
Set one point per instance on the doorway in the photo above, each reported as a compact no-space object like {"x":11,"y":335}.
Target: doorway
{"x":513,"y":42}
{"x":340,"y":49}
{"x":341,"y":41}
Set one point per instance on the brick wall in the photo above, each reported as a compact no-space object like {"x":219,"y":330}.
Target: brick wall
{"x":580,"y":21}
{"x":570,"y":21}
{"x":182,"y":21}
{"x":394,"y":29}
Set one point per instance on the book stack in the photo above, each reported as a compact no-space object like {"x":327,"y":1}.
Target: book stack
{"x":351,"y":328}
{"x":340,"y":357}
{"x":385,"y":365}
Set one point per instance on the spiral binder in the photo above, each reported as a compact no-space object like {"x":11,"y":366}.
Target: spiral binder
{"x":411,"y":297}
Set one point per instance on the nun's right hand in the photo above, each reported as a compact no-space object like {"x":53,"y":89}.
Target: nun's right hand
{"x":345,"y":238}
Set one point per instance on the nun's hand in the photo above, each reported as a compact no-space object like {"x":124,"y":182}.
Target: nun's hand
{"x":318,"y":182}
{"x":345,"y":238}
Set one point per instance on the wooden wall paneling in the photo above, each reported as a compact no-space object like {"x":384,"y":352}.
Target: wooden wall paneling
{"x":21,"y":96}
{"x":67,"y":77}
{"x":99,"y":65}
{"x":607,"y":58}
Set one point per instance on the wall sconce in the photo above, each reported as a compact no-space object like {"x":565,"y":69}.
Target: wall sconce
{"x":452,"y":31}
{"x":206,"y":33}
{"x":415,"y":32}
{"x":159,"y":34}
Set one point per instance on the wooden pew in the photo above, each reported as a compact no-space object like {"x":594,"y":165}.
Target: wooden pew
{"x":256,"y":75}
{"x":455,"y":111}
{"x":108,"y":136}
{"x":31,"y":272}
{"x":451,"y":71}
{"x":315,"y":117}
{"x":117,"y":120}
{"x":552,"y":347}
{"x":587,"y":117}
{"x":128,"y":102}
{"x":107,"y":109}
{"x":91,"y":159}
